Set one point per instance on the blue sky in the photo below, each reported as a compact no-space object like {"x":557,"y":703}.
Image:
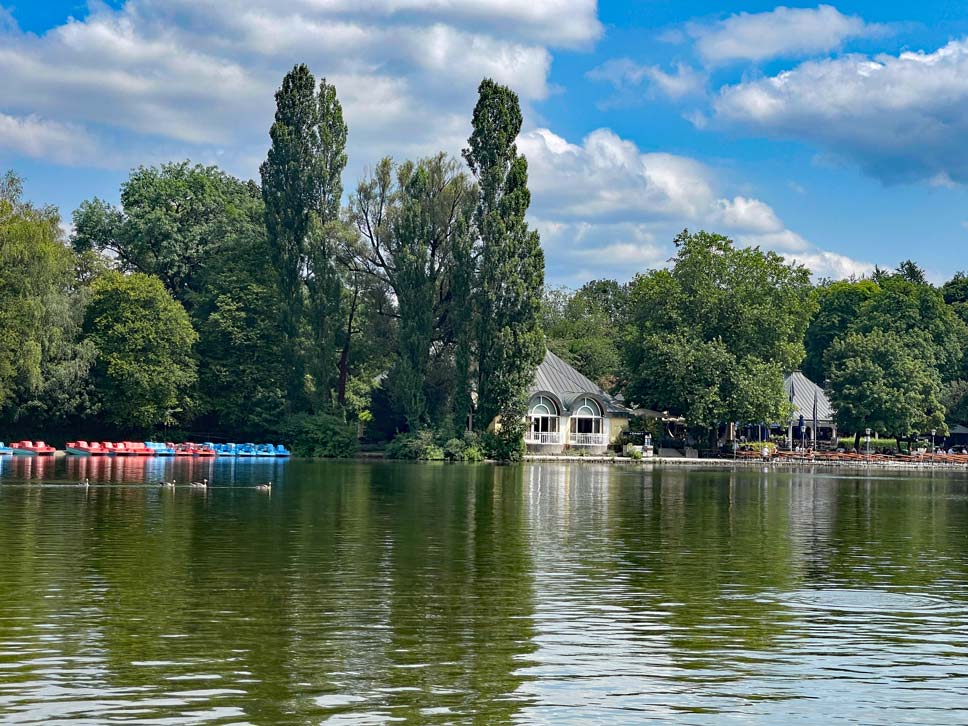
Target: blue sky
{"x":832,"y":133}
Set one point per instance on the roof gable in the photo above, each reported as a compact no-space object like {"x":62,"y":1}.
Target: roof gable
{"x":558,"y":377}
{"x":800,"y":391}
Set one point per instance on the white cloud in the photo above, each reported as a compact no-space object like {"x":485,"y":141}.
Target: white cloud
{"x":605,"y":207}
{"x":782,"y":32}
{"x":202,"y":75}
{"x":624,"y":73}
{"x":832,"y":265}
{"x":748,"y":214}
{"x":173,"y":78}
{"x":901,"y":118}
{"x":44,"y":139}
{"x":609,"y":176}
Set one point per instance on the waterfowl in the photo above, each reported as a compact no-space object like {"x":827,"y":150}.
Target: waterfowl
{"x":168,"y":484}
{"x":86,"y":483}
{"x":267,"y":487}
{"x":203,"y":484}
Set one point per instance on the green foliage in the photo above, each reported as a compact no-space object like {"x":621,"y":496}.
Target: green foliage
{"x":44,"y":364}
{"x":324,"y":283}
{"x":954,"y":398}
{"x":847,"y":442}
{"x":301,"y":189}
{"x":510,"y":343}
{"x":173,"y":220}
{"x":145,"y":370}
{"x":711,"y":338}
{"x":838,"y":307}
{"x":880,"y":380}
{"x":917,"y":312}
{"x":955,"y":293}
{"x":202,"y":232}
{"x":506,"y":444}
{"x":467,"y":448}
{"x":320,"y":435}
{"x":240,"y":373}
{"x":416,"y":445}
{"x":584,"y":329}
{"x":415,"y":219}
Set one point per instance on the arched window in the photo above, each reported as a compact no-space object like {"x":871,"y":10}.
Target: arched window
{"x":543,"y":415}
{"x":587,"y":418}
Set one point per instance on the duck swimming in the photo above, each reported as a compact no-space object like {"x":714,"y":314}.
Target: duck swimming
{"x":203,"y":484}
{"x":267,"y":487}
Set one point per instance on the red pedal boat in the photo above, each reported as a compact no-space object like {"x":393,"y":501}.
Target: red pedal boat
{"x":84,"y":448}
{"x":31,"y":448}
{"x":137,"y":448}
{"x":191,"y":449}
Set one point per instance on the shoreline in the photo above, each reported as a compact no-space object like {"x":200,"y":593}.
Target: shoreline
{"x":693,"y":462}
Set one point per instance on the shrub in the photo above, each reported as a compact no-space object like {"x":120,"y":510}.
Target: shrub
{"x":467,"y":448}
{"x":319,"y":435}
{"x":848,"y":443}
{"x":416,"y":446}
{"x":505,"y":445}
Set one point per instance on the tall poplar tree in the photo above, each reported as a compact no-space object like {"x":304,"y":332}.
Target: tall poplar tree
{"x":323,"y":276}
{"x":510,"y":344}
{"x":301,"y":188}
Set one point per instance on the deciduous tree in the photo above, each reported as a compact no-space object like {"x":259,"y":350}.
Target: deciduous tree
{"x":711,"y":338}
{"x":301,"y":188}
{"x":145,"y":370}
{"x":510,"y":344}
{"x":880,"y":380}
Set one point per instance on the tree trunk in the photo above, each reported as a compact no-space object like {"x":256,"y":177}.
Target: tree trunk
{"x":344,"y":356}
{"x":857,"y":441}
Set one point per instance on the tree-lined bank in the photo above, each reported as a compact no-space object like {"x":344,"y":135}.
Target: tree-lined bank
{"x":415,"y":304}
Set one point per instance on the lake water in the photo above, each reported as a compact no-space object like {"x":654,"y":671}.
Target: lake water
{"x":540,"y":594}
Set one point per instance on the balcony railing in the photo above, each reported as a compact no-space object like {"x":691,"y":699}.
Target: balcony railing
{"x":588,"y":439}
{"x":542,"y":437}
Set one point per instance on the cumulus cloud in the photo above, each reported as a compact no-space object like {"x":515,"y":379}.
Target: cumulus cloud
{"x":44,"y":139}
{"x":203,"y":74}
{"x":749,"y":214}
{"x":623,"y":74}
{"x":782,"y":32}
{"x":832,"y":265}
{"x":605,"y":207}
{"x":870,"y":111}
{"x":167,"y":79}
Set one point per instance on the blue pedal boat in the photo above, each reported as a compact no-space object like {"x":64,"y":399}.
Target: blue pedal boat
{"x":159,"y":448}
{"x":246,"y":450}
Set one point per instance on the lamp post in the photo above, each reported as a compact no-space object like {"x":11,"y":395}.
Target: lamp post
{"x":932,"y":441}
{"x":867,"y":438}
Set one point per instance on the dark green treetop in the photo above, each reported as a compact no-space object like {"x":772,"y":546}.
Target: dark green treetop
{"x":510,"y":343}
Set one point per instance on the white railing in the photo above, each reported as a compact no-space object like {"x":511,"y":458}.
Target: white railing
{"x":542,"y":437}
{"x":588,"y":439}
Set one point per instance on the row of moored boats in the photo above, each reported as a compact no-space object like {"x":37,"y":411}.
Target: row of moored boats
{"x":146,"y":448}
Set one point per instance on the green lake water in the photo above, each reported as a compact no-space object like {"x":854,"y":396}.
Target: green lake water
{"x":539,"y":594}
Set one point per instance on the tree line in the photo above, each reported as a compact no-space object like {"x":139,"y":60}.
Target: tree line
{"x":212,"y":305}
{"x":711,"y":337}
{"x":208,"y":305}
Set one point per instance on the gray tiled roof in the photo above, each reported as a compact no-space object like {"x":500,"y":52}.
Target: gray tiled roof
{"x":559,"y":378}
{"x":803,"y":390}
